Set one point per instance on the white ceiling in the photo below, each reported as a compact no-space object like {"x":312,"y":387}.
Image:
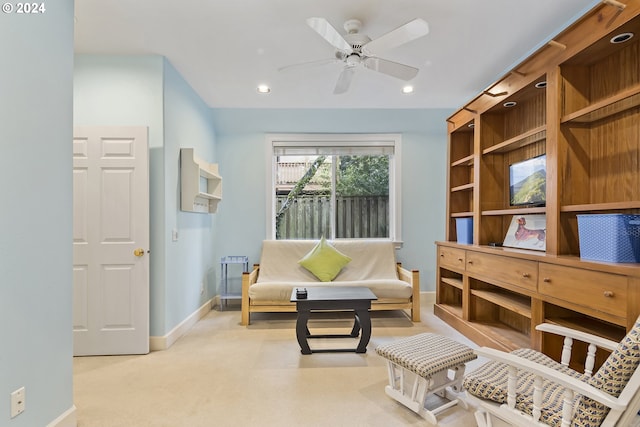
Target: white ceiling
{"x":225,"y":48}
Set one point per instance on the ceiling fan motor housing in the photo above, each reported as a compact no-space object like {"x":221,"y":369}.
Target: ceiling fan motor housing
{"x":357,"y":40}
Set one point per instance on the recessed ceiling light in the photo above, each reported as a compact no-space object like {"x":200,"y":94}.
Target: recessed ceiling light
{"x":264,"y":89}
{"x":510,"y":104}
{"x":541,"y":85}
{"x":621,"y":38}
{"x":407,"y":89}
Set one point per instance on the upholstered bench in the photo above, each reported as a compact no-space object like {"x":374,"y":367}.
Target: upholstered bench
{"x":423,"y":365}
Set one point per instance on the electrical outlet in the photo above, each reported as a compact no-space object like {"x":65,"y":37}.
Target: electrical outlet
{"x":202,"y":288}
{"x":17,"y":402}
{"x":174,"y":235}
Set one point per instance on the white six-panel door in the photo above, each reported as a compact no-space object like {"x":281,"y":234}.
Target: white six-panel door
{"x":110,"y":241}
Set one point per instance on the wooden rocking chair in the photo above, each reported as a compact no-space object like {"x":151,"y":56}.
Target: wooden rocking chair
{"x":528,"y":388}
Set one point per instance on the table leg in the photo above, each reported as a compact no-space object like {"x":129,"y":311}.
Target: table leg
{"x":302,"y":331}
{"x":364,"y":319}
{"x":356,"y":326}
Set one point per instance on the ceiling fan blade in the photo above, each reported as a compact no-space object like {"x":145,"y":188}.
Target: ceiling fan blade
{"x":344,"y":80}
{"x":401,"y":35}
{"x":394,"y":69}
{"x":330,"y":34}
{"x":309,"y":64}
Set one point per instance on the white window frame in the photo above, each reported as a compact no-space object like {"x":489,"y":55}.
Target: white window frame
{"x":333,"y":140}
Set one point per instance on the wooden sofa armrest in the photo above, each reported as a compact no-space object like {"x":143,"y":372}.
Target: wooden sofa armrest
{"x":248,"y":279}
{"x":413,"y":278}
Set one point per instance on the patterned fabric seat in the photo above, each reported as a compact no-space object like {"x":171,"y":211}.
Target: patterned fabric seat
{"x":489,"y":381}
{"x":419,"y":366}
{"x":425,"y":354}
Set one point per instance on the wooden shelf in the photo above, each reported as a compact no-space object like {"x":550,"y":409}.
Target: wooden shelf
{"x":455,"y":310}
{"x":516,"y":211}
{"x":465,"y":161}
{"x":517,"y":303}
{"x":456,"y":283}
{"x":604,"y":108}
{"x":461,"y":214}
{"x":615,"y":206}
{"x":464,"y":187}
{"x":589,"y":325}
{"x":527,"y":138}
{"x":503,"y":334}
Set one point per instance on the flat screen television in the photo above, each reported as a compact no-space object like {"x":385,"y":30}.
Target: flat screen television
{"x":528,"y":182}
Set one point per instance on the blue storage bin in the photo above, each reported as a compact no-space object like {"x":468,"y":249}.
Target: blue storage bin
{"x":464,"y":230}
{"x":609,"y":237}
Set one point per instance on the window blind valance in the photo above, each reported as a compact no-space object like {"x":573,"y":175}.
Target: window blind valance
{"x":333,"y":150}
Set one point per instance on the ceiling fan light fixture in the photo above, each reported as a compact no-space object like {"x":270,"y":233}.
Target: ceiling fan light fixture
{"x":263,"y":89}
{"x":407,"y":89}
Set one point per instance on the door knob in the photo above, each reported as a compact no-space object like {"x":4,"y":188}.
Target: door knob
{"x":138,"y":252}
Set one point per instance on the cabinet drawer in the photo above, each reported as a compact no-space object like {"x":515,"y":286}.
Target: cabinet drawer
{"x":599,"y":291}
{"x":451,"y":257}
{"x":514,"y":271}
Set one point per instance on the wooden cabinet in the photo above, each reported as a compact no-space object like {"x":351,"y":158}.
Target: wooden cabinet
{"x":508,"y":271}
{"x":500,"y":295}
{"x":200,"y":183}
{"x":452,"y":258}
{"x":601,"y":294}
{"x":576,"y":101}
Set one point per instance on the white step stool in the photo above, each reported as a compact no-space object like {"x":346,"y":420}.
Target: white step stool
{"x":423,"y":365}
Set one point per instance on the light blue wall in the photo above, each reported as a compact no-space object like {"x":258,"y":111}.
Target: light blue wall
{"x":242,"y":151}
{"x":36,"y":72}
{"x":190,"y":261}
{"x":147,"y":91}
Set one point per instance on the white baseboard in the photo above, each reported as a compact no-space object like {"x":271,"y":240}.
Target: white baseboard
{"x":67,"y":419}
{"x":166,"y":341}
{"x":428,"y":297}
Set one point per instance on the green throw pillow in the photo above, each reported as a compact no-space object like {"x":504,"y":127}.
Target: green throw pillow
{"x":324,"y":261}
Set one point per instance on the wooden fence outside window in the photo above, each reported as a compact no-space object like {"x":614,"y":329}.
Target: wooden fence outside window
{"x":309,"y":217}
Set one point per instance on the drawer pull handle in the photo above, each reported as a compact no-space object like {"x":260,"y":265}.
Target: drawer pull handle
{"x":441,"y":255}
{"x":546,"y":280}
{"x":526,"y":275}
{"x":470,"y":262}
{"x":608,"y":294}
{"x":460,"y":259}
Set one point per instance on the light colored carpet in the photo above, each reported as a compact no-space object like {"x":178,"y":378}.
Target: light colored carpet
{"x":224,"y":374}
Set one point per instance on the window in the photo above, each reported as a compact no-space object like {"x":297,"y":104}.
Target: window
{"x":339,"y":186}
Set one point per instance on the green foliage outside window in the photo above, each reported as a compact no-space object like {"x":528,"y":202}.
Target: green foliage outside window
{"x":363,"y":176}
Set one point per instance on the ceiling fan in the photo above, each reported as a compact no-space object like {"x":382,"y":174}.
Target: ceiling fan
{"x":355,"y":49}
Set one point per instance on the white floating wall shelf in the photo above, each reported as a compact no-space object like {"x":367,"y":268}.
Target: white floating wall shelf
{"x":201,"y":185}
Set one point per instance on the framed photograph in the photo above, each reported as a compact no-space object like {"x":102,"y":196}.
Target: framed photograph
{"x":527,"y":232}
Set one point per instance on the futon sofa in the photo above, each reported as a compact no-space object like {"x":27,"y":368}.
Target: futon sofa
{"x":372,"y":264}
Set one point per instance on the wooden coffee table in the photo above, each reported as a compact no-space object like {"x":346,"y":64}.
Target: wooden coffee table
{"x":333,"y":298}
